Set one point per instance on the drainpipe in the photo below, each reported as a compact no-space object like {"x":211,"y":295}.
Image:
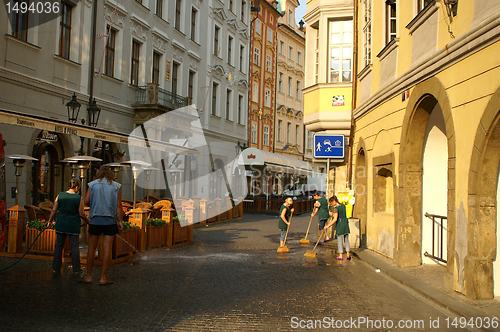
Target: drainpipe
{"x":353,"y":102}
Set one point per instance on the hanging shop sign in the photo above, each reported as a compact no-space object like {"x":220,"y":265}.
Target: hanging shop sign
{"x":338,"y":100}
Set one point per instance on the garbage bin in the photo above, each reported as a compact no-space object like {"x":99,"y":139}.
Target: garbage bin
{"x":354,"y":239}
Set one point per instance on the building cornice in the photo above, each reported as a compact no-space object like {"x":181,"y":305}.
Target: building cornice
{"x":480,"y":37}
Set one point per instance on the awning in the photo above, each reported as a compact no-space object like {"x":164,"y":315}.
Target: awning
{"x":62,"y":127}
{"x":273,"y":161}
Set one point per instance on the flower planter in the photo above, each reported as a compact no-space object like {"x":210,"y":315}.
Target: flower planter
{"x":120,"y":248}
{"x":177,"y":235}
{"x":46,"y":243}
{"x":155,"y":236}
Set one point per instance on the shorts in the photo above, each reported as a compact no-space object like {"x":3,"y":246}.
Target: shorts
{"x":282,"y":234}
{"x":322,"y":224}
{"x":109,"y":230}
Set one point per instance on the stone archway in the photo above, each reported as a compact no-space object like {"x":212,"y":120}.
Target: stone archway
{"x":481,"y":279}
{"x":426,"y":96}
{"x":361,"y":191}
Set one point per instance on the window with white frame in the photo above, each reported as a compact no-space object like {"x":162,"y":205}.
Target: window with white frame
{"x":254,"y":133}
{"x":19,"y":23}
{"x":135,"y":62}
{"x":288,"y":132}
{"x":290,"y":51}
{"x":215,"y":91}
{"x":280,"y":82}
{"x":280,"y":128}
{"x":65,"y":30}
{"x":230,"y":42}
{"x":240,"y":109}
{"x":270,"y":34}
{"x":216,"y":41}
{"x":367,"y":32}
{"x":316,"y":58}
{"x":297,"y":135}
{"x":243,"y":10}
{"x":267,"y":98}
{"x":229,"y":100}
{"x":297,"y":90}
{"x":299,"y":57}
{"x":282,"y":47}
{"x":159,"y":8}
{"x":178,"y":8}
{"x":269,"y":63}
{"x":155,"y":74}
{"x":242,"y":59}
{"x":340,"y":51}
{"x":194,"y":23}
{"x":266,"y":135}
{"x":255,"y":92}
{"x":258,"y":27}
{"x":256,"y":56}
{"x":390,"y":20}
{"x":289,"y":86}
{"x":109,"y":61}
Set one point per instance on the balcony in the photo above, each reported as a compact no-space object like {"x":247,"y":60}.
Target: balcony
{"x":152,"y":96}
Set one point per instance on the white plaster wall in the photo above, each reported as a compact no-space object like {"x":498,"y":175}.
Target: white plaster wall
{"x":435,"y":183}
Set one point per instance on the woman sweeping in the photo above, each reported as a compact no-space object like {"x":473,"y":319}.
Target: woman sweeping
{"x":339,"y":218}
{"x":68,"y":210}
{"x":284,"y":219}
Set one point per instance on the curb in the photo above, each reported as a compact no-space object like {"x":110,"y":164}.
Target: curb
{"x":450,"y":305}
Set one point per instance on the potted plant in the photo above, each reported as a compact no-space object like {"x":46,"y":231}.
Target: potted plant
{"x":155,"y":233}
{"x":45,"y":243}
{"x":130,"y":233}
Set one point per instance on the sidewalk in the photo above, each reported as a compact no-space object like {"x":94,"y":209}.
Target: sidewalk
{"x":432,"y":282}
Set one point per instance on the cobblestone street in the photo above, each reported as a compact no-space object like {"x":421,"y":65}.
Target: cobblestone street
{"x":230,"y":279}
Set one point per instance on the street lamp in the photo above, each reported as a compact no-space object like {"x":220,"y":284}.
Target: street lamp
{"x":19,"y":161}
{"x":94,"y":112}
{"x":73,"y":107}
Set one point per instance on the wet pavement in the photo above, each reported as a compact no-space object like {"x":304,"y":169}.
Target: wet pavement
{"x":230,"y":279}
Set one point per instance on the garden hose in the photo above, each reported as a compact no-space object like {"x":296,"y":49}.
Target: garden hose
{"x":4,"y":269}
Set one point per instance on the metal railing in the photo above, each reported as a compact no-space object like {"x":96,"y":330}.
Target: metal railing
{"x":151,"y":94}
{"x":438,"y":233}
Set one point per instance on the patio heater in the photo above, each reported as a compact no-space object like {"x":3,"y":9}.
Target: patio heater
{"x":83,"y":164}
{"x":136,"y":166}
{"x":147,"y":172}
{"x":19,"y":161}
{"x":74,"y":166}
{"x":115,"y":167}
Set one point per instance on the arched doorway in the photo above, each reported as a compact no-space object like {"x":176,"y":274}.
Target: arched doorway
{"x":360,"y":189}
{"x":435,"y":189}
{"x":47,"y":171}
{"x":418,"y":124}
{"x":481,"y":273}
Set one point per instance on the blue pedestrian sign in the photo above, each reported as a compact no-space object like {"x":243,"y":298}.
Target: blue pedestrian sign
{"x":329,"y":146}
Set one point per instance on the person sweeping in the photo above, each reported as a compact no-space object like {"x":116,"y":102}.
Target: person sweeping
{"x":339,"y":219}
{"x":284,"y":220}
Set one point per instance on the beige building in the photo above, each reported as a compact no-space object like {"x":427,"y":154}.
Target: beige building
{"x":427,"y":136}
{"x":289,"y":129}
{"x":328,"y":78}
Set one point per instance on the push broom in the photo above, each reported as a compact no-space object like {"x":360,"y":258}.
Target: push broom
{"x":305,"y":241}
{"x":284,"y":249}
{"x":312,"y":253}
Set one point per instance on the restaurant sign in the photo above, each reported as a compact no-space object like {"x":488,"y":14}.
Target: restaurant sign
{"x":48,"y":136}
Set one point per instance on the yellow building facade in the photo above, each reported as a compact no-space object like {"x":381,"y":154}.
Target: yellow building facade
{"x":328,"y":77}
{"x":426,"y":134}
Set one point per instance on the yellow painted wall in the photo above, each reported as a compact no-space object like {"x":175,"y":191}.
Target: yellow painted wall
{"x":469,"y":85}
{"x":319,"y":99}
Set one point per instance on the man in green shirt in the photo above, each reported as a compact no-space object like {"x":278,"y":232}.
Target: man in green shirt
{"x":321,"y":208}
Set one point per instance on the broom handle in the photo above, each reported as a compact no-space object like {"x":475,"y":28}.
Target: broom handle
{"x":289,"y":224}
{"x":320,"y":236}
{"x":308,"y":227}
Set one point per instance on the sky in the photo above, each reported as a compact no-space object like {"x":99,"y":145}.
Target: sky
{"x":301,"y":10}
